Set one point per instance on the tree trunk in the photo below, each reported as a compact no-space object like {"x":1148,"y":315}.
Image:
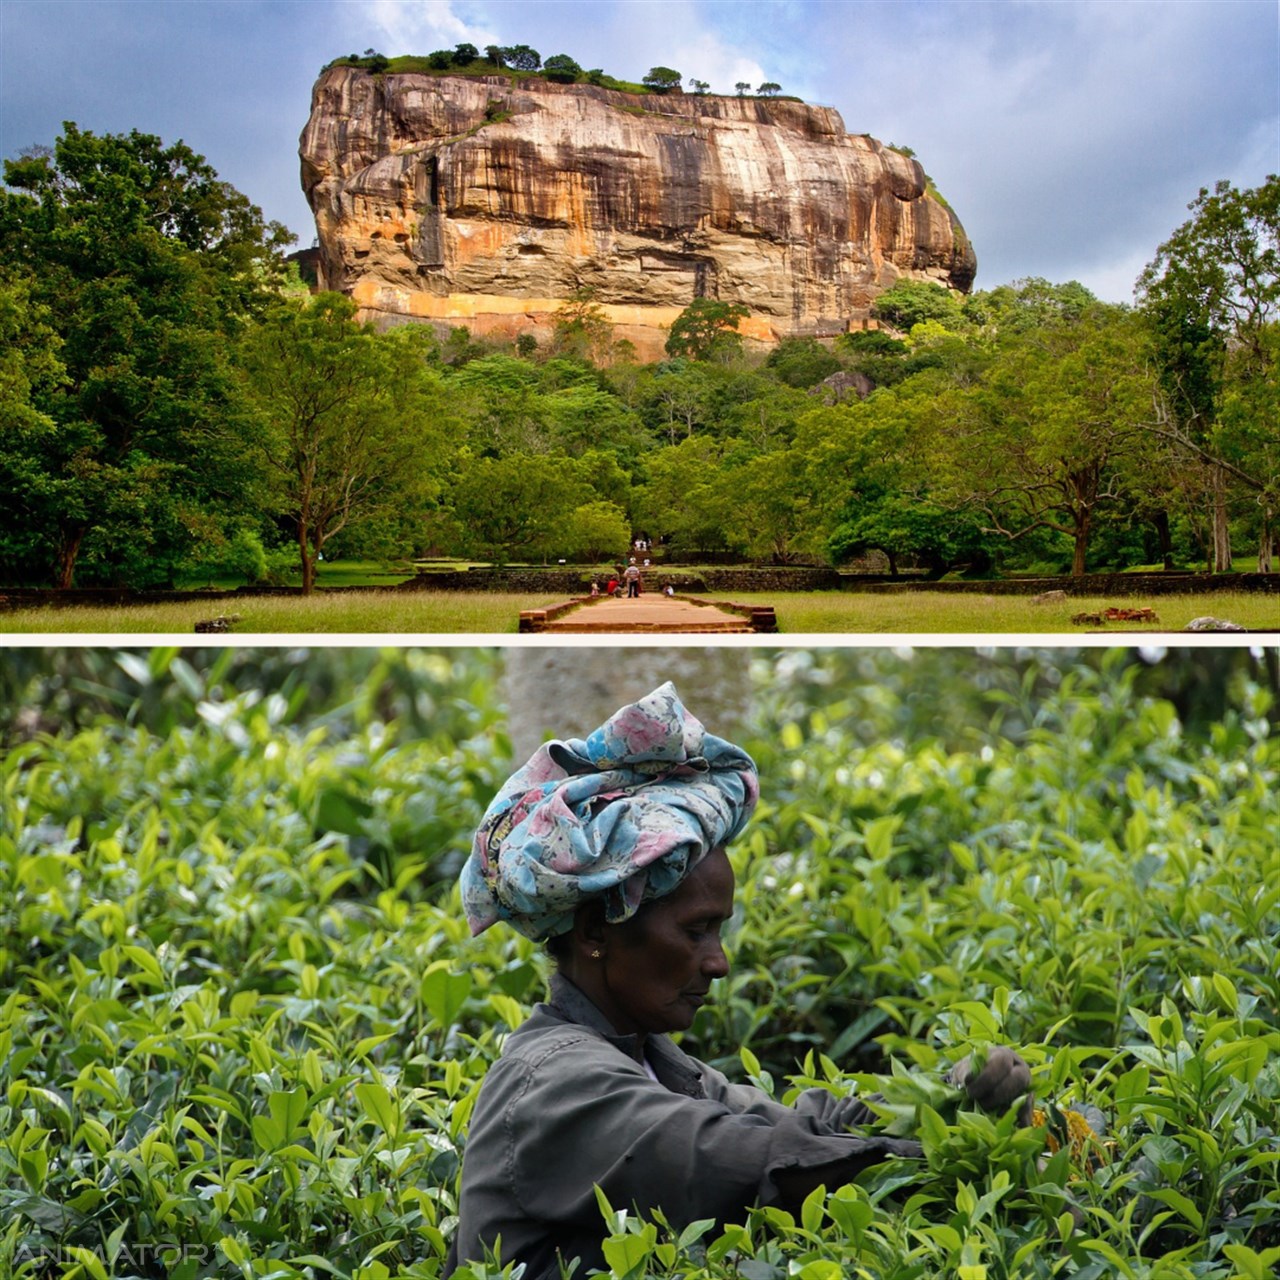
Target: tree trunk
{"x":1266,"y":542}
{"x":566,"y":693}
{"x":1161,"y":521}
{"x":308,"y":565}
{"x":69,"y":541}
{"x":1080,"y":544}
{"x":1221,"y":533}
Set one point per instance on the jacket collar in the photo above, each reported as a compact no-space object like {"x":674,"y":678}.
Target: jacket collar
{"x":673,"y":1067}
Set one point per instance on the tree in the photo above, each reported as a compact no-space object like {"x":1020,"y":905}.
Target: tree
{"x":521,"y":58}
{"x":561,"y":68}
{"x":144,"y":264}
{"x":595,"y":531}
{"x":871,"y":470}
{"x":706,"y":329}
{"x":30,"y":369}
{"x":802,"y":362}
{"x":662,"y":80}
{"x":680,"y":396}
{"x":464,"y":54}
{"x":518,"y":506}
{"x":700,"y":87}
{"x":1024,"y":304}
{"x":742,"y":86}
{"x":768,"y":503}
{"x":769,"y":89}
{"x":346,"y":419}
{"x":496,"y":55}
{"x":1056,"y":429}
{"x":581,"y":328}
{"x":583,"y":417}
{"x":1212,"y":296}
{"x":911,"y":302}
{"x":684,"y":500}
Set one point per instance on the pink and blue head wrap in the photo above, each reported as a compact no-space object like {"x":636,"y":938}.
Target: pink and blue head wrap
{"x":623,"y":816}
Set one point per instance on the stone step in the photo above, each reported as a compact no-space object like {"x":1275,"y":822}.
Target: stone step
{"x":645,"y":628}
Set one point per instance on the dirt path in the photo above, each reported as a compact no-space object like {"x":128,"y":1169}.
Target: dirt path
{"x":653,"y":613}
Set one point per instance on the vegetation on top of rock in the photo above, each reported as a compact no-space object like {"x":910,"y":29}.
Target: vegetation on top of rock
{"x":466,"y":60}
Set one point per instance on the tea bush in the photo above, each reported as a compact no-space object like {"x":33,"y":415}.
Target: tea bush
{"x":243,"y":1024}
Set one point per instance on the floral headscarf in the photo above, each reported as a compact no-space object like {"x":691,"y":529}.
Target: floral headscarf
{"x":623,"y":816}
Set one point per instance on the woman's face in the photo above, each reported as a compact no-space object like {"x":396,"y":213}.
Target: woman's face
{"x":656,"y":968}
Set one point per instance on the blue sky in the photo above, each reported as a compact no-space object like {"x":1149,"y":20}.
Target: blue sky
{"x":1068,"y":135}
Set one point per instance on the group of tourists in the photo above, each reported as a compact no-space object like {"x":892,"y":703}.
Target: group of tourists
{"x":628,"y":578}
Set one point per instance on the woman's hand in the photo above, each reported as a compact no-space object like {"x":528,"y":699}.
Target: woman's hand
{"x":1004,"y":1078}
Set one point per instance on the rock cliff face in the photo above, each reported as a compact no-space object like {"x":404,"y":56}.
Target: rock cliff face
{"x":485,"y":203}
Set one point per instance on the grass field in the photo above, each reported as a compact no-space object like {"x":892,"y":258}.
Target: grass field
{"x":849,"y":612}
{"x":360,"y":612}
{"x":820,"y":612}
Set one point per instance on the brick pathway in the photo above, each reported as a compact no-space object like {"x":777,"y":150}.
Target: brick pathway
{"x":649,"y":613}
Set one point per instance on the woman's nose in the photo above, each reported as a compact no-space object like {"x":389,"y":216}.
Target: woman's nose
{"x":715,"y":963}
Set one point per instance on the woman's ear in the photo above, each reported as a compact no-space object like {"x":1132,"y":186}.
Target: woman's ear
{"x":589,"y":929}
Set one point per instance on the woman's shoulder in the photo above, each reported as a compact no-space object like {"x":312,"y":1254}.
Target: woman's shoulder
{"x":546,"y":1035}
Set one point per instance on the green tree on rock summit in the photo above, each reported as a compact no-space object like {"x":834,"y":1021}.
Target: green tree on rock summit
{"x":662,"y":79}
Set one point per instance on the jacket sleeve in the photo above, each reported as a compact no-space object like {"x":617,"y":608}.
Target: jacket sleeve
{"x":574,"y":1116}
{"x":833,"y":1114}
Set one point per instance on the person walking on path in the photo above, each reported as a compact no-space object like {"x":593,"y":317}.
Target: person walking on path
{"x":632,"y":576}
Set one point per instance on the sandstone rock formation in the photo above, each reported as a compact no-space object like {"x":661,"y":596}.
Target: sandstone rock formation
{"x":487,"y":202}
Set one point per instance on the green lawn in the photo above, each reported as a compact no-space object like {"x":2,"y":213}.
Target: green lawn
{"x":358,"y":612}
{"x":936,"y":613}
{"x":474,"y":612}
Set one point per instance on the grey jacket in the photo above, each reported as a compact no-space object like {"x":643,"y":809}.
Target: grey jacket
{"x":569,"y":1106}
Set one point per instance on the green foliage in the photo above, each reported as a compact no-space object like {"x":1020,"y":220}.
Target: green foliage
{"x":706,"y":329}
{"x":581,"y":327}
{"x":1212,"y":297}
{"x":134,"y":263}
{"x":911,"y":302}
{"x":244,"y":1024}
{"x":348,"y":419}
{"x":802,"y":362}
{"x":521,"y":57}
{"x":561,"y":68}
{"x":523,"y":507}
{"x":661,"y":79}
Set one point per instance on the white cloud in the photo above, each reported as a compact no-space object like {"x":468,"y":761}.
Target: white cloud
{"x":419,"y":26}
{"x":1068,"y":136}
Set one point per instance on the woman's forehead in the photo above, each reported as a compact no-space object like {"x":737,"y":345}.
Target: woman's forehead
{"x":709,"y":884}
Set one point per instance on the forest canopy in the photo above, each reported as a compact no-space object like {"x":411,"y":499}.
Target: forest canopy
{"x":175,"y":416}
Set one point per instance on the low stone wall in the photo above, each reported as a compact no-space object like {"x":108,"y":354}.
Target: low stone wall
{"x":45,"y":597}
{"x":1092,"y":584}
{"x":576,"y":582}
{"x":573,"y":581}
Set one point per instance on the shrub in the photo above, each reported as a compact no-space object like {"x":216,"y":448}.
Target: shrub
{"x":244,"y":1026}
{"x":561,"y":68}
